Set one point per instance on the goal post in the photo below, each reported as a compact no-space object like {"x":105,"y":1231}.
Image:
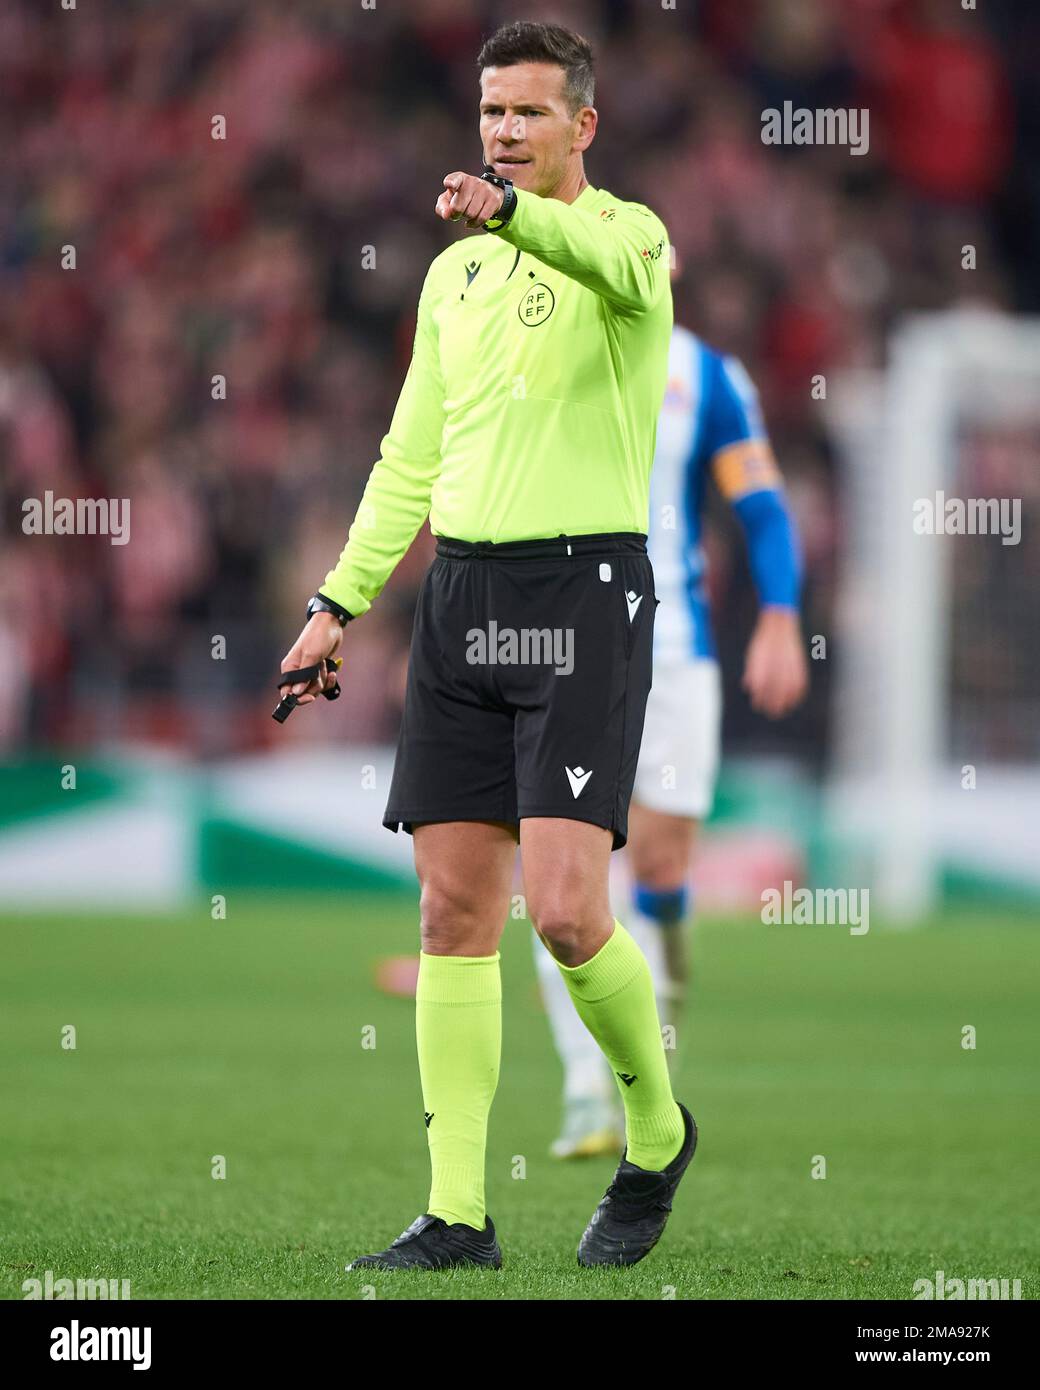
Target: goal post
{"x":938,"y":454}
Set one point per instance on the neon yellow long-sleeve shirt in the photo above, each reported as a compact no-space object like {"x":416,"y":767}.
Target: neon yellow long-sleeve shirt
{"x":530,"y":405}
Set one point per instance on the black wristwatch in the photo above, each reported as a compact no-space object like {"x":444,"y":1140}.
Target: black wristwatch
{"x":320,"y":604}
{"x":505,"y":212}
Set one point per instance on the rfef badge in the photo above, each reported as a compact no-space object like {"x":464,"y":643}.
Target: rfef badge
{"x":536,"y":305}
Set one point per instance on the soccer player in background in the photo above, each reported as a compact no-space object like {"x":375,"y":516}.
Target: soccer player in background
{"x":525,"y":429}
{"x":710,"y":424}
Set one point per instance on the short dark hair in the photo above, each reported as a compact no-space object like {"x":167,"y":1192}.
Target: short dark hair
{"x":526,"y":42}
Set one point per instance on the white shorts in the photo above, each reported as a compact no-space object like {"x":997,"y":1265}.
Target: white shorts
{"x":679,"y":755}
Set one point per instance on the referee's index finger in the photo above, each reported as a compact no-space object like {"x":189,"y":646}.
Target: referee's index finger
{"x":454,"y":181}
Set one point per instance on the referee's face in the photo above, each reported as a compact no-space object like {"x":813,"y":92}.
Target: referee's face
{"x":527,"y":131}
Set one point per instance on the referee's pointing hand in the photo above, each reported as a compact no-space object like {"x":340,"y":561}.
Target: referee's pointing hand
{"x":470,"y":197}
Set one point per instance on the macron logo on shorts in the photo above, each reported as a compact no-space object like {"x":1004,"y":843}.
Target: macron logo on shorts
{"x":577,"y":779}
{"x":633,"y":600}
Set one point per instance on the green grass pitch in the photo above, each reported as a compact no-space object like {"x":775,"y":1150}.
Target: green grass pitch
{"x":243,"y":1038}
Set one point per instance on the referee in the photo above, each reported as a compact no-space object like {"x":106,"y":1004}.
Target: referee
{"x":525,"y":429}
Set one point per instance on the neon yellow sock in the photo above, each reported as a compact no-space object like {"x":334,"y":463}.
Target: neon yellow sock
{"x":458,"y":1032}
{"x":614,"y":996}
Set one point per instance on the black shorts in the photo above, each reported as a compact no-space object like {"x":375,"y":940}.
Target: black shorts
{"x":528,"y":677}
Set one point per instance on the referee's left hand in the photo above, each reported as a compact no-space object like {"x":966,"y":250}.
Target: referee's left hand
{"x":470,"y":197}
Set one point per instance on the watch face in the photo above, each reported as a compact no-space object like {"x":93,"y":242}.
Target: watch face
{"x":318,"y":605}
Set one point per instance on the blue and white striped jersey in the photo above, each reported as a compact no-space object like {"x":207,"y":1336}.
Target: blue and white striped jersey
{"x":711,"y":421}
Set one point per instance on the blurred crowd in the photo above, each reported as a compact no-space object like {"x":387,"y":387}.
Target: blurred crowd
{"x":223,"y":353}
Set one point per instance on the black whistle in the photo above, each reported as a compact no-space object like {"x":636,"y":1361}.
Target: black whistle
{"x":324,"y":668}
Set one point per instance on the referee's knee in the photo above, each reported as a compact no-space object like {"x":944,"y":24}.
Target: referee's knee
{"x":455,"y":919}
{"x":569,"y":927}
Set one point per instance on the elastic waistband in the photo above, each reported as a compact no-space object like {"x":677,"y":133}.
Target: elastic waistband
{"x":609,"y":543}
